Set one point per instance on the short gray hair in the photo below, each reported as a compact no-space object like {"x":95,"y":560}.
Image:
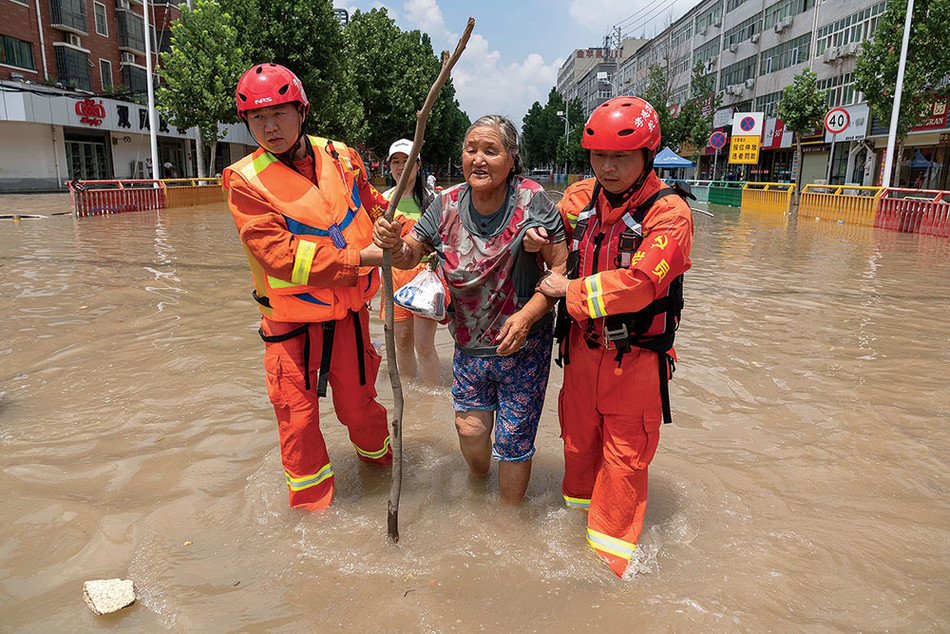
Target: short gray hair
{"x":509,"y":138}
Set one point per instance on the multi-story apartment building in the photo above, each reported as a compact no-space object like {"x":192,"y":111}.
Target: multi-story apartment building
{"x":73,"y":93}
{"x":588,"y":73}
{"x":754,"y":48}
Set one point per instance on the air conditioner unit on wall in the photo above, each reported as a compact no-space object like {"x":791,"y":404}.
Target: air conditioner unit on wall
{"x":74,"y":40}
{"x":749,"y":83}
{"x":127,"y":58}
{"x":122,"y":4}
{"x":755,"y":38}
{"x":787,"y":22}
{"x":853,"y":48}
{"x":733,"y":48}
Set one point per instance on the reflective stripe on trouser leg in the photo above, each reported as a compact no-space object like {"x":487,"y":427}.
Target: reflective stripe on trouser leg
{"x":355,"y":404}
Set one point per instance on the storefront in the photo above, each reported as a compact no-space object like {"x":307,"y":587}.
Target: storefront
{"x":60,"y":135}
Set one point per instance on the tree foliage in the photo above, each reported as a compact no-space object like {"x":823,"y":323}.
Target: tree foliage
{"x":802,"y":108}
{"x":542,"y":132}
{"x":201,"y":70}
{"x":657,"y":94}
{"x":392,"y":71}
{"x":927,"y":67}
{"x":694,"y":123}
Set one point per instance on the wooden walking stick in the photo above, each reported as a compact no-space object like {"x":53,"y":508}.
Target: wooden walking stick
{"x":422,"y":118}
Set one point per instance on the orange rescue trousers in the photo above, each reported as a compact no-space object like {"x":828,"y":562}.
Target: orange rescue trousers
{"x":610,"y":424}
{"x":302,"y":448}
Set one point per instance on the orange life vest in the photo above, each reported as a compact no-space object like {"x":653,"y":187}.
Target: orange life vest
{"x":329,"y":214}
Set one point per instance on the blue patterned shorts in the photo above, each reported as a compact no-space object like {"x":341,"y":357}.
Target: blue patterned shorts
{"x":512,"y":386}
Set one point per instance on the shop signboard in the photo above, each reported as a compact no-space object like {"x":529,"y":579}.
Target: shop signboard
{"x":722,"y":117}
{"x":935,"y":117}
{"x":776,"y":137}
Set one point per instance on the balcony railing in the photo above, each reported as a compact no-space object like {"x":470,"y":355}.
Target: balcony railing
{"x":72,"y":67}
{"x":130,"y":28}
{"x":69,"y":15}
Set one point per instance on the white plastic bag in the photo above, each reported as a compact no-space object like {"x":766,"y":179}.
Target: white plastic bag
{"x":423,"y":296}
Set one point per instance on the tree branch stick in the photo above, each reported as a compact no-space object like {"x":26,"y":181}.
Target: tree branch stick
{"x":422,"y":118}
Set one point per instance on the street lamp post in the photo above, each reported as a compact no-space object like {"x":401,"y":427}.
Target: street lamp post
{"x":567,"y":135}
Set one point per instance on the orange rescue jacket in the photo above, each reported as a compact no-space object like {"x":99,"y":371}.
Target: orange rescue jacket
{"x":327,"y":222}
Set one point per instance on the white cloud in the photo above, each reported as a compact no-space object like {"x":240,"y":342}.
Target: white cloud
{"x":486,"y":85}
{"x":427,"y":16}
{"x":600,"y":15}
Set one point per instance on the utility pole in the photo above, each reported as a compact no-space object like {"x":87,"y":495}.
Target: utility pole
{"x":895,"y":110}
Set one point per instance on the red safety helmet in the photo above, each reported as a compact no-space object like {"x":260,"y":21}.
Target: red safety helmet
{"x":622,"y":123}
{"x":268,"y":85}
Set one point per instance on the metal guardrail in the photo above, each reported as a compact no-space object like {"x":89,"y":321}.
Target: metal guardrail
{"x":925,"y":211}
{"x":767,"y":197}
{"x":726,"y":193}
{"x":99,"y":197}
{"x":847,"y":204}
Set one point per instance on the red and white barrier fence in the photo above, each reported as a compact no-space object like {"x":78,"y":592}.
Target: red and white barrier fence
{"x":924,"y":211}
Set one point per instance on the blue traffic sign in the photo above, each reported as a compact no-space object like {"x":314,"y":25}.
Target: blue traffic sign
{"x":747,"y":123}
{"x":717,"y":140}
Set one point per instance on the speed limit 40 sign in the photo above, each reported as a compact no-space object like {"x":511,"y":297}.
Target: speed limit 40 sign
{"x":837,"y":120}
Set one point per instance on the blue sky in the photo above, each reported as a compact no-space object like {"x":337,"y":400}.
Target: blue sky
{"x":518,"y":45}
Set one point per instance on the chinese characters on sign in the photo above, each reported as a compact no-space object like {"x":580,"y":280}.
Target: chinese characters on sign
{"x":744,"y":149}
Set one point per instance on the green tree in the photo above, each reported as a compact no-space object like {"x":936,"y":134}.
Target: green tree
{"x":802,"y":108}
{"x":306,"y":38}
{"x":200,"y":72}
{"x":928,"y":62}
{"x":392,"y":71}
{"x":542,"y":130}
{"x":657,"y":94}
{"x":697,"y":112}
{"x":574,"y":154}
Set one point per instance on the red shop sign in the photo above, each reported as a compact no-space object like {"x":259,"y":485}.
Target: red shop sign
{"x":90,"y":111}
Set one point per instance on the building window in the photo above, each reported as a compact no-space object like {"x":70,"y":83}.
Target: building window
{"x":733,"y":4}
{"x":784,"y":9}
{"x":72,"y":67}
{"x":102,"y":26}
{"x":785,"y":55}
{"x":105,"y":73}
{"x":130,"y":28}
{"x":682,"y":35}
{"x":743,"y":31}
{"x":135,"y":79}
{"x":856,"y":27}
{"x":768,"y":103}
{"x":739,"y":72}
{"x":23,"y":2}
{"x":841,"y":91}
{"x":706,"y":51}
{"x":14,"y":52}
{"x":711,"y":17}
{"x":68,"y":13}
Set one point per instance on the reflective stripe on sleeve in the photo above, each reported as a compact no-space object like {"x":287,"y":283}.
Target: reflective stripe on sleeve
{"x":374,"y":454}
{"x":577,"y":503}
{"x":305,"y":482}
{"x":610,"y":545}
{"x":595,"y":303}
{"x":303,"y":260}
{"x":257,"y":165}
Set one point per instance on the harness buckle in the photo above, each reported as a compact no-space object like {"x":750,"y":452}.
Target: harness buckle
{"x":612,"y":335}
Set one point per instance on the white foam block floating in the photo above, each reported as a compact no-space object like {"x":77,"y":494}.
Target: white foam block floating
{"x":108,"y":595}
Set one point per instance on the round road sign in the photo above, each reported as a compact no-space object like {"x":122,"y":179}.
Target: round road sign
{"x":837,"y":120}
{"x":747,"y":124}
{"x":717,"y":140}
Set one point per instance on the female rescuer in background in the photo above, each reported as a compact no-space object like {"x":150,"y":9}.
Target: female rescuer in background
{"x":629,"y":240}
{"x":302,"y":206}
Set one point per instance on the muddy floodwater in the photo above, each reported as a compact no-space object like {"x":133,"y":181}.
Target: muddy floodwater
{"x":803,"y":486}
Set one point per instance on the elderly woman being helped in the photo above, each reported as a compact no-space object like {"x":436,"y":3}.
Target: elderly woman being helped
{"x":503,"y":330}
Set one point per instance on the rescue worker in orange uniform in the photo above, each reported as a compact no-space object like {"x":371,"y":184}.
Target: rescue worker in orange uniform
{"x":630,"y":239}
{"x":302,"y":207}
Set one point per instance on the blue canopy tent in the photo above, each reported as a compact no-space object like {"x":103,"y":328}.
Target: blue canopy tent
{"x":668,"y":159}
